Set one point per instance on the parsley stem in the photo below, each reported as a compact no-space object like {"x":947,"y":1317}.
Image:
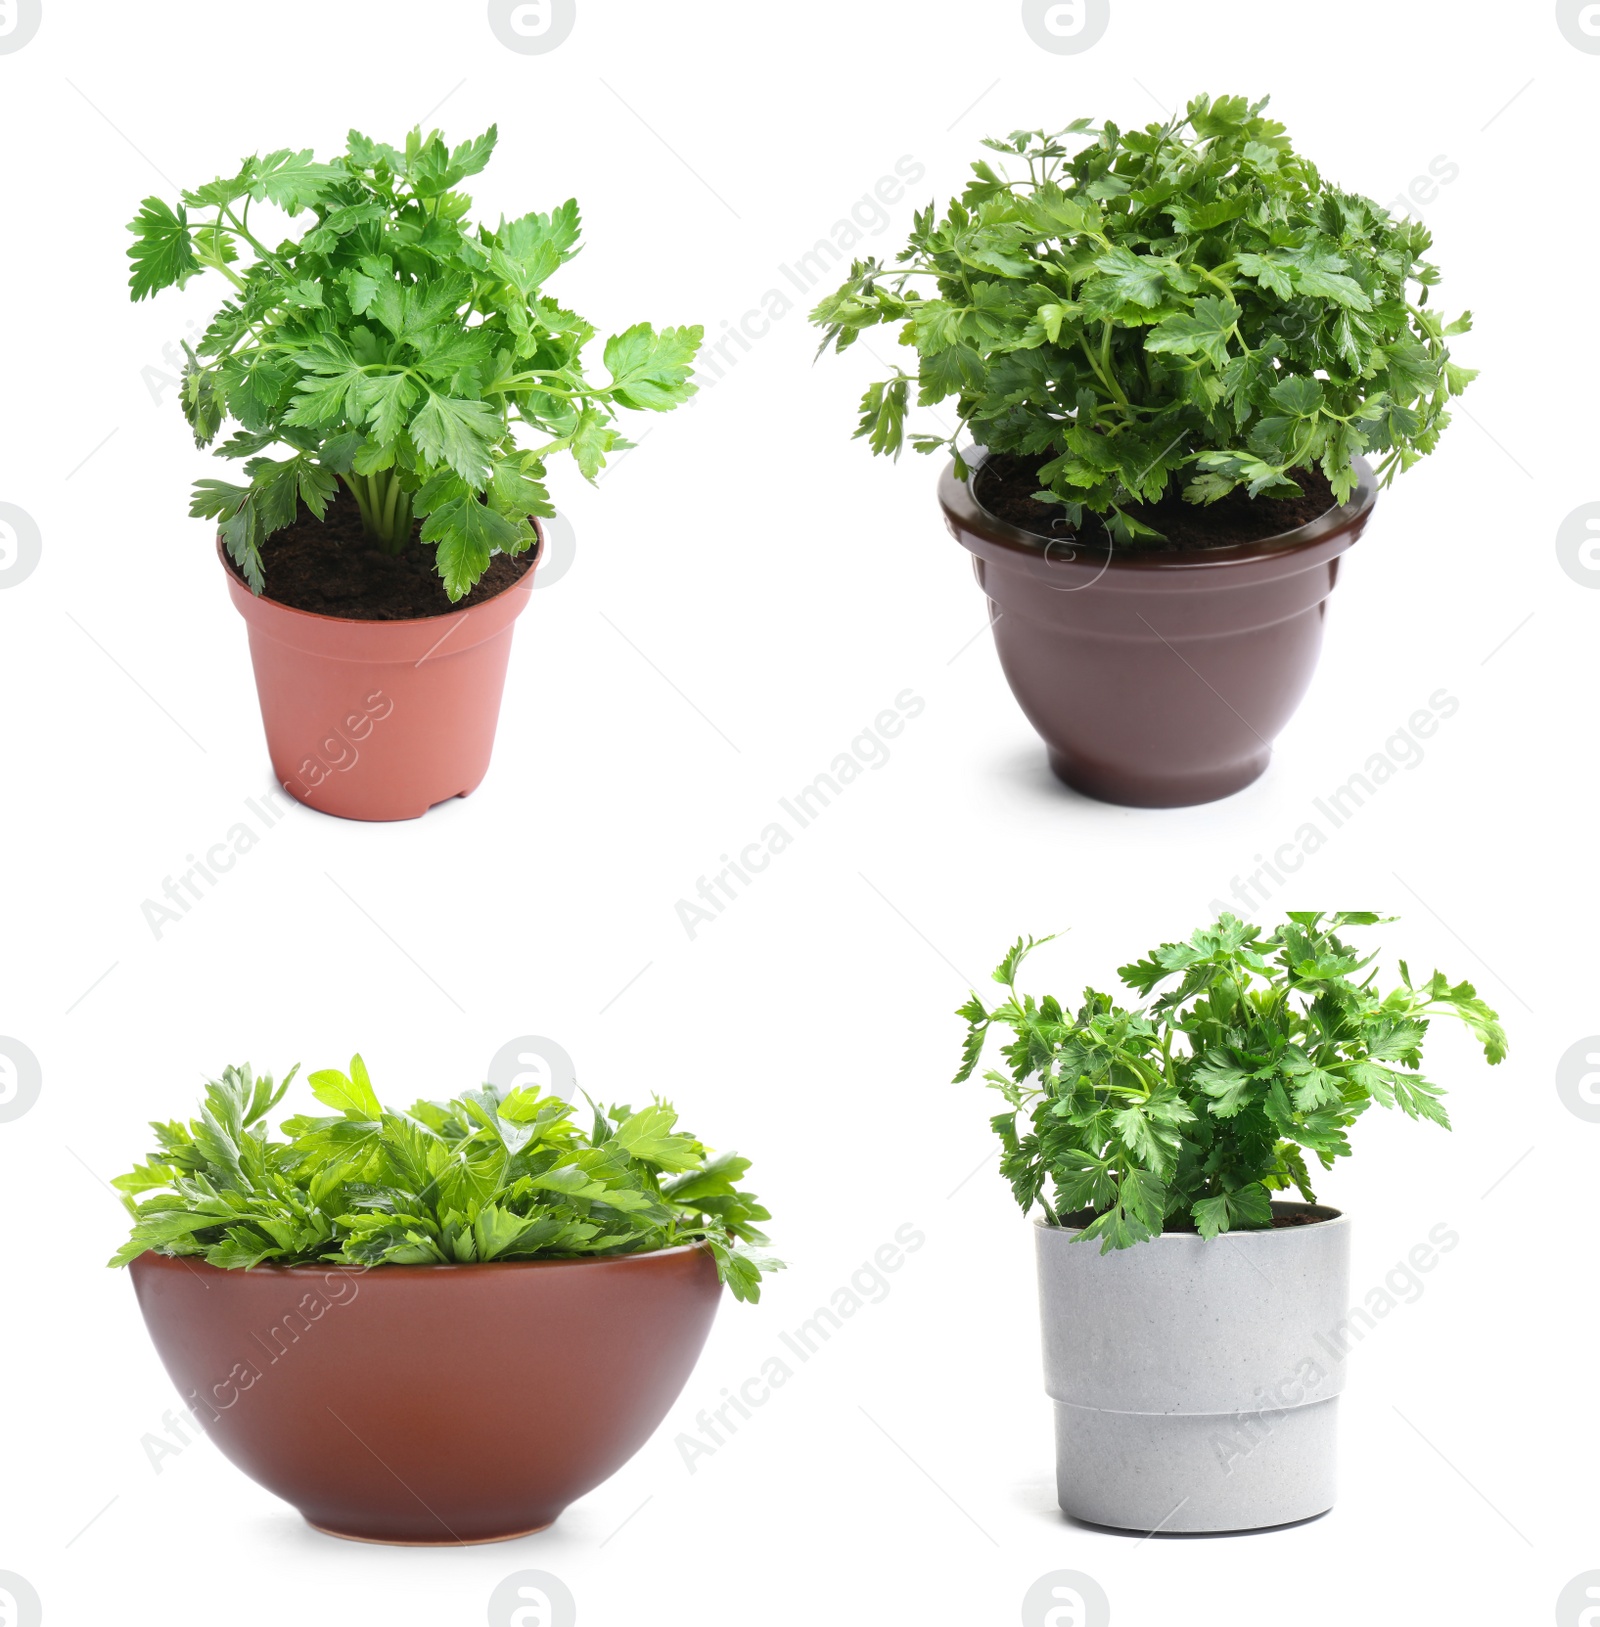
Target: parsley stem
{"x":1214,"y":279}
{"x":228,"y":272}
{"x":505,"y":386}
{"x":260,"y":248}
{"x":1100,"y":369}
{"x":389,"y":507}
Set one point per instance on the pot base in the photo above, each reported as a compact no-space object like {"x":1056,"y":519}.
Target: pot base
{"x":1176,"y":1472}
{"x":389,"y":815}
{"x":425,"y":1542}
{"x":1130,"y":789}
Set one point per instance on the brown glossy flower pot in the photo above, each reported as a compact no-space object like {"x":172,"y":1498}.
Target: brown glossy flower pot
{"x":1157,"y":678}
{"x":434,"y":1403}
{"x":380,"y":719}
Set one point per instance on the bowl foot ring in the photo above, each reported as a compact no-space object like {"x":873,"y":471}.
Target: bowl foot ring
{"x":427,"y":1542}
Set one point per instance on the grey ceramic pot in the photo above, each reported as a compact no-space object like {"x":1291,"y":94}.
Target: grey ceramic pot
{"x":1196,"y":1383}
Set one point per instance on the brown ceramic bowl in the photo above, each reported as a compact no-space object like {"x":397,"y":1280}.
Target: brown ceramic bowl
{"x":431,"y":1403}
{"x":1157,"y":678}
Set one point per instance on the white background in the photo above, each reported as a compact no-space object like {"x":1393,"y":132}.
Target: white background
{"x":790,"y":586}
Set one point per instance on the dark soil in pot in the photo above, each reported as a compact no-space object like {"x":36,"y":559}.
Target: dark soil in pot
{"x":1005,"y":485}
{"x":330,"y":568}
{"x":1281,"y":1217}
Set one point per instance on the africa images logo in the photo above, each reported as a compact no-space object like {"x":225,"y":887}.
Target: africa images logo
{"x":19,"y":22}
{"x":19,"y":1604}
{"x":20,"y":545}
{"x":1579,"y":1604}
{"x":532,"y":1599}
{"x":1578,"y":545}
{"x":1578,"y":1085}
{"x":532,"y":27}
{"x":1066,"y":26}
{"x":1579,"y":20}
{"x":1066,"y":1599}
{"x":20,"y":1081}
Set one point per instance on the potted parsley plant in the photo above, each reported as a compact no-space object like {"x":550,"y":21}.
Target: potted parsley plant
{"x":1195,"y":1316}
{"x":436,"y":1326}
{"x":1179,"y":350}
{"x":378,"y":370}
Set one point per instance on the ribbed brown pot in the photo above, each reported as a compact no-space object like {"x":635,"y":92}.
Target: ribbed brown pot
{"x":435,"y":1403}
{"x":1157,"y":678}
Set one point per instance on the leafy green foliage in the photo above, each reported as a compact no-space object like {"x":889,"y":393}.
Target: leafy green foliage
{"x":1188,"y":1114}
{"x":393,"y":347}
{"x":1187,"y":301}
{"x":486,"y":1176}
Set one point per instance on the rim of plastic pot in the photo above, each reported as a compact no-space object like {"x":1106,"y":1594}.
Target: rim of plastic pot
{"x":969,"y":515}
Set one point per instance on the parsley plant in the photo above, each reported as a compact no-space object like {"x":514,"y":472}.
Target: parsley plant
{"x":392,"y":347}
{"x":1188,"y":301}
{"x":1190,"y":1112}
{"x":485,"y":1176}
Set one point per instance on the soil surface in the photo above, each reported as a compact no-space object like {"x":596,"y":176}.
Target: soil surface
{"x":1005,"y":485}
{"x":1175,"y":1223}
{"x":329,"y":568}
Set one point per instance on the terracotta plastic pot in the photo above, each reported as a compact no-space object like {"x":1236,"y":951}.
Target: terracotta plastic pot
{"x":431,"y":1404}
{"x":380,"y":719}
{"x":1196,"y":1381}
{"x":1157,"y":679}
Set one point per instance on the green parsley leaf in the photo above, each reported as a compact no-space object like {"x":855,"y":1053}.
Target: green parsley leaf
{"x":651,"y":370}
{"x":164,"y":254}
{"x":466,"y":534}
